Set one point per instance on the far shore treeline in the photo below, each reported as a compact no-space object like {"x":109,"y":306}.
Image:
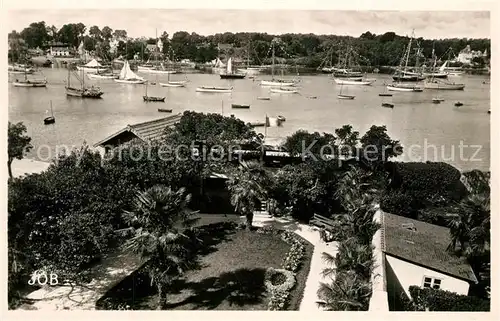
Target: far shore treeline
{"x":308,"y":50}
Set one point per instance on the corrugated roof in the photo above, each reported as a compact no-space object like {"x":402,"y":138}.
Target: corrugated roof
{"x":424,"y":244}
{"x":147,"y":131}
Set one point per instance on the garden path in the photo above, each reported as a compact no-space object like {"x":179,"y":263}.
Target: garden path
{"x":311,"y":234}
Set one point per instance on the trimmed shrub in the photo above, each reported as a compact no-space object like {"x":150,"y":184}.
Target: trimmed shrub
{"x":440,"y":300}
{"x":279,"y":280}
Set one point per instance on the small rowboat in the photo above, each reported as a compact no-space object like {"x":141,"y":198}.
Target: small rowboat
{"x":164,"y":110}
{"x":281,"y":118}
{"x":264,"y":98}
{"x":240,"y":106}
{"x":174,"y":84}
{"x":404,"y":88}
{"x":257,"y":124}
{"x":345,"y":97}
{"x":277,"y":82}
{"x":153,"y":99}
{"x":458,"y":104}
{"x":205,"y":89}
{"x":49,"y":120}
{"x":388,"y":105}
{"x":385,"y":95}
{"x":284,"y":90}
{"x":437,"y":100}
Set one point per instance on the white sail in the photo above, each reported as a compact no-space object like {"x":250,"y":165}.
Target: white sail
{"x":229,"y":66}
{"x":127,"y":73}
{"x":93,"y":63}
{"x":443,"y":67}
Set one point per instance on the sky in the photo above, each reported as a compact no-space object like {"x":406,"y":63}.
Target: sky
{"x":144,"y":22}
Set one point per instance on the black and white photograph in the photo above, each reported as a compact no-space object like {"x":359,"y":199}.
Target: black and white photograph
{"x":276,"y":159}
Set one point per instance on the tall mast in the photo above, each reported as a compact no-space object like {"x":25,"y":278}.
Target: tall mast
{"x":272,"y":67}
{"x":408,"y":51}
{"x":51,"y":111}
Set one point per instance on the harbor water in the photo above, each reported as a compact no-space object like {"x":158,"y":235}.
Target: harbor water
{"x":434,"y":132}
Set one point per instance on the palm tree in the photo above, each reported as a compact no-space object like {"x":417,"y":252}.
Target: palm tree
{"x":348,"y":292}
{"x":470,"y":226}
{"x":247,"y":186}
{"x":159,"y":222}
{"x":351,"y":256}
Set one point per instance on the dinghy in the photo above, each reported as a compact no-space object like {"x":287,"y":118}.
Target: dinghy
{"x":206,"y":89}
{"x":437,"y":100}
{"x":281,"y":118}
{"x":345,"y":97}
{"x":458,"y":104}
{"x":263,"y":98}
{"x":51,"y":119}
{"x":164,"y":110}
{"x":385,"y":95}
{"x":174,"y":84}
{"x":240,"y":106}
{"x":388,"y":105}
{"x":153,"y":99}
{"x":283,"y":90}
{"x":404,"y":88}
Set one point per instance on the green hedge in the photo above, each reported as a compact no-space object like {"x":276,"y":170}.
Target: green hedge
{"x":440,"y":300}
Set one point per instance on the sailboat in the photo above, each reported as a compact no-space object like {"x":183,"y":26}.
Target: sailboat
{"x":356,"y":79}
{"x":155,"y":68}
{"x":30,"y":83}
{"x":92,"y":67}
{"x":250,"y":70}
{"x":51,"y":119}
{"x":230,"y":74}
{"x":82,"y":92}
{"x":177,"y":83}
{"x":127,"y":76}
{"x":405,"y":76}
{"x":342,"y":96}
{"x":441,"y":84}
{"x":147,"y":98}
{"x":274,"y":81}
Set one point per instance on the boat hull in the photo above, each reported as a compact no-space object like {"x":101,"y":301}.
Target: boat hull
{"x":437,"y":75}
{"x":357,"y":82}
{"x":49,"y":120}
{"x":173,"y":84}
{"x":133,"y":82}
{"x":443,"y":86}
{"x":81,"y":93}
{"x":277,"y":83}
{"x":283,"y":91}
{"x":155,"y":71}
{"x":408,"y":78}
{"x":91,"y":70}
{"x":163,"y":110}
{"x":153,"y":99}
{"x":404,"y":88}
{"x":30,"y":84}
{"x":214,"y":90}
{"x":98,"y":77}
{"x":232,"y":76}
{"x":240,"y":106}
{"x":347,"y":97}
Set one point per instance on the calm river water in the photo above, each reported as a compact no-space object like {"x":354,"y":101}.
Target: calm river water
{"x":427,"y":131}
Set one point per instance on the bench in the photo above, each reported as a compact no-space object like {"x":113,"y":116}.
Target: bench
{"x":321,"y":221}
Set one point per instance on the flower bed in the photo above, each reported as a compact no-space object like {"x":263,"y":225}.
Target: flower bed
{"x":284,"y":279}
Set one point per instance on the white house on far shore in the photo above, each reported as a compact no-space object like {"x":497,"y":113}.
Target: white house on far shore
{"x":416,"y":254}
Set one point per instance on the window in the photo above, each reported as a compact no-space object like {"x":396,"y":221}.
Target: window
{"x":430,"y":282}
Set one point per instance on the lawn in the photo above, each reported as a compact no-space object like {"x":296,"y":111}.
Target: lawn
{"x":229,"y":276}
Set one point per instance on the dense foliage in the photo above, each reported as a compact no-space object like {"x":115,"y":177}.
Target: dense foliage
{"x":18,"y":144}
{"x":418,"y":190}
{"x":305,"y":49}
{"x":439,"y":300}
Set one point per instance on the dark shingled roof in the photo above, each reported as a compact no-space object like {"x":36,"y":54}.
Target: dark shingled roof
{"x":424,"y":244}
{"x":147,"y":131}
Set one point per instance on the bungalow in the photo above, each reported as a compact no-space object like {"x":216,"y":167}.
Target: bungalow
{"x":416,"y":255}
{"x":59,"y":49}
{"x":146,"y":131}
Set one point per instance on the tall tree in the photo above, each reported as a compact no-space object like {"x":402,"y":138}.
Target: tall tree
{"x":107,"y":33}
{"x":159,"y":222}
{"x":18,"y":144}
{"x":378,"y":147}
{"x":36,"y":34}
{"x":95,"y":32}
{"x":247,"y":187}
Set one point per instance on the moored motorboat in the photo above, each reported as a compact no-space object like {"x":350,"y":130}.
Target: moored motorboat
{"x":164,"y":110}
{"x":385,"y":95}
{"x":263,"y":98}
{"x":207,"y":89}
{"x":174,"y":84}
{"x":283,"y":90}
{"x":277,"y":83}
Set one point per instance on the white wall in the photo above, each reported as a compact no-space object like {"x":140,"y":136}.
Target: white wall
{"x":409,"y":274}
{"x":379,"y":300}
